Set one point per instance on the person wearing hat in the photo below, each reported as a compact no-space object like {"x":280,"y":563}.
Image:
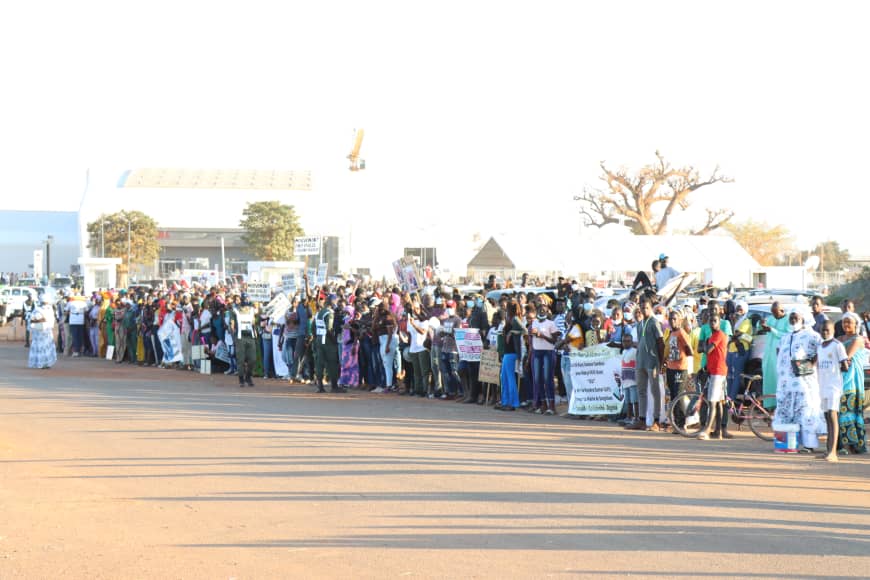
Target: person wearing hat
{"x":244,"y":330}
{"x":738,"y":353}
{"x":326,"y":344}
{"x":665,"y":273}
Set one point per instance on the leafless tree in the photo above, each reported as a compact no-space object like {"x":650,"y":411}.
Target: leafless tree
{"x":645,"y":199}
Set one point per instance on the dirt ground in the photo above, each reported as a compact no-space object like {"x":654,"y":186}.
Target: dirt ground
{"x":110,"y":471}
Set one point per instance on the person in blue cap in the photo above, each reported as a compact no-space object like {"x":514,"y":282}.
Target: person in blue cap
{"x":665,"y":273}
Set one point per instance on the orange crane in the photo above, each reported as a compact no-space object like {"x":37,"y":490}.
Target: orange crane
{"x":355,"y":162}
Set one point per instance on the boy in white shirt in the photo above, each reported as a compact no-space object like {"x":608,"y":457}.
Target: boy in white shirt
{"x":628,"y":379}
{"x":832,"y":362}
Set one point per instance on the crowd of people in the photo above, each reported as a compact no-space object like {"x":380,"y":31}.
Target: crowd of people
{"x":381,"y":339}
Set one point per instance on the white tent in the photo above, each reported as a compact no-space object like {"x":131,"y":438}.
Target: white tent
{"x":619,"y":256}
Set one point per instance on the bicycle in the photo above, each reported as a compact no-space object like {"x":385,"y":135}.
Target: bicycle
{"x":688,"y":412}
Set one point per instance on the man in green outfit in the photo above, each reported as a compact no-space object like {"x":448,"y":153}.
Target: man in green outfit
{"x":245,"y":335}
{"x":326,"y":344}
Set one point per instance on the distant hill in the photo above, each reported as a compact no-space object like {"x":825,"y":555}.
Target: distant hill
{"x":859,"y":291}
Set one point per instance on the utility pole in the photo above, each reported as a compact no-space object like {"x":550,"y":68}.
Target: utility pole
{"x":102,"y":238}
{"x":223,"y":261}
{"x":129,"y":268}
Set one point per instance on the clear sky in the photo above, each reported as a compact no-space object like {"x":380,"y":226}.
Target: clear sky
{"x":502,"y":109}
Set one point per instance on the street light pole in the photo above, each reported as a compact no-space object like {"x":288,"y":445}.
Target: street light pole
{"x":102,"y":238}
{"x":223,"y":274}
{"x":48,"y":257}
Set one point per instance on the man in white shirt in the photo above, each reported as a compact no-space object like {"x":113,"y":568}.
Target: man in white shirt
{"x":418,"y":329}
{"x":76,"y":308}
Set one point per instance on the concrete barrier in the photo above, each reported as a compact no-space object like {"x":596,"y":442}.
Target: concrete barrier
{"x":12,"y":332}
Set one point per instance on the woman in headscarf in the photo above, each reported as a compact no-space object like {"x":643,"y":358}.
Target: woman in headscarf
{"x":853,"y":437}
{"x":42,"y":354}
{"x":777,"y":326}
{"x":350,"y":348}
{"x":108,"y":324}
{"x":105,"y":304}
{"x":738,"y":347}
{"x":797,"y":389}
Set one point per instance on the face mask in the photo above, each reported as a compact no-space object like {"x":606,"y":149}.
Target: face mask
{"x":660,"y":318}
{"x":587,"y":306}
{"x":795,"y":327}
{"x":470,"y":304}
{"x":542,"y":316}
{"x":479,"y":303}
{"x":451,"y":311}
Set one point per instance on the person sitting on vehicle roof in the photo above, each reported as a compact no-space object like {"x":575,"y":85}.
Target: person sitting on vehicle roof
{"x":642,"y":280}
{"x":666,"y":273}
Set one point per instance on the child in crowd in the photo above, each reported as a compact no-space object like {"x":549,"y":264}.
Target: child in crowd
{"x":596,"y":334}
{"x":629,"y":380}
{"x":832,"y":363}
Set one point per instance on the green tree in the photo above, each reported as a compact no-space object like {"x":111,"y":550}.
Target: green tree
{"x":270,"y":228}
{"x":109,"y":232}
{"x":831,"y":256}
{"x":768,"y":244}
{"x":645,"y":199}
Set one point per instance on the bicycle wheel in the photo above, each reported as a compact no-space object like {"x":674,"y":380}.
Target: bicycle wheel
{"x":761,"y":419}
{"x":688,"y":413}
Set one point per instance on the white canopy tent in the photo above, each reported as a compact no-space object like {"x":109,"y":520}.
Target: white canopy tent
{"x":714,"y":258}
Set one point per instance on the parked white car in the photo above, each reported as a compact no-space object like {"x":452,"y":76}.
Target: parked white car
{"x":14,"y":298}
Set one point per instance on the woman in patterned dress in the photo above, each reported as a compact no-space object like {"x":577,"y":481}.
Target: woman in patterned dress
{"x":853,"y":437}
{"x":797,"y":396}
{"x":42,"y":354}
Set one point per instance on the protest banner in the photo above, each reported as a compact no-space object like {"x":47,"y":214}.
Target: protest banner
{"x":595,"y":388}
{"x":277,"y":307}
{"x":321,"y":274}
{"x":222,"y":352}
{"x":312,"y":276}
{"x":490,"y":368}
{"x":469,"y":343}
{"x":259,"y":292}
{"x":307,"y":246}
{"x":170,"y":339}
{"x":288,"y":283}
{"x":410,"y":275}
{"x":400,"y":276}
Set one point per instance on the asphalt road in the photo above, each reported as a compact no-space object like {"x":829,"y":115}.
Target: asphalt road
{"x":111,"y":471}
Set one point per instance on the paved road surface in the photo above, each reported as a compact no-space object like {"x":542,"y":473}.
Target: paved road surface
{"x":124,"y":472}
